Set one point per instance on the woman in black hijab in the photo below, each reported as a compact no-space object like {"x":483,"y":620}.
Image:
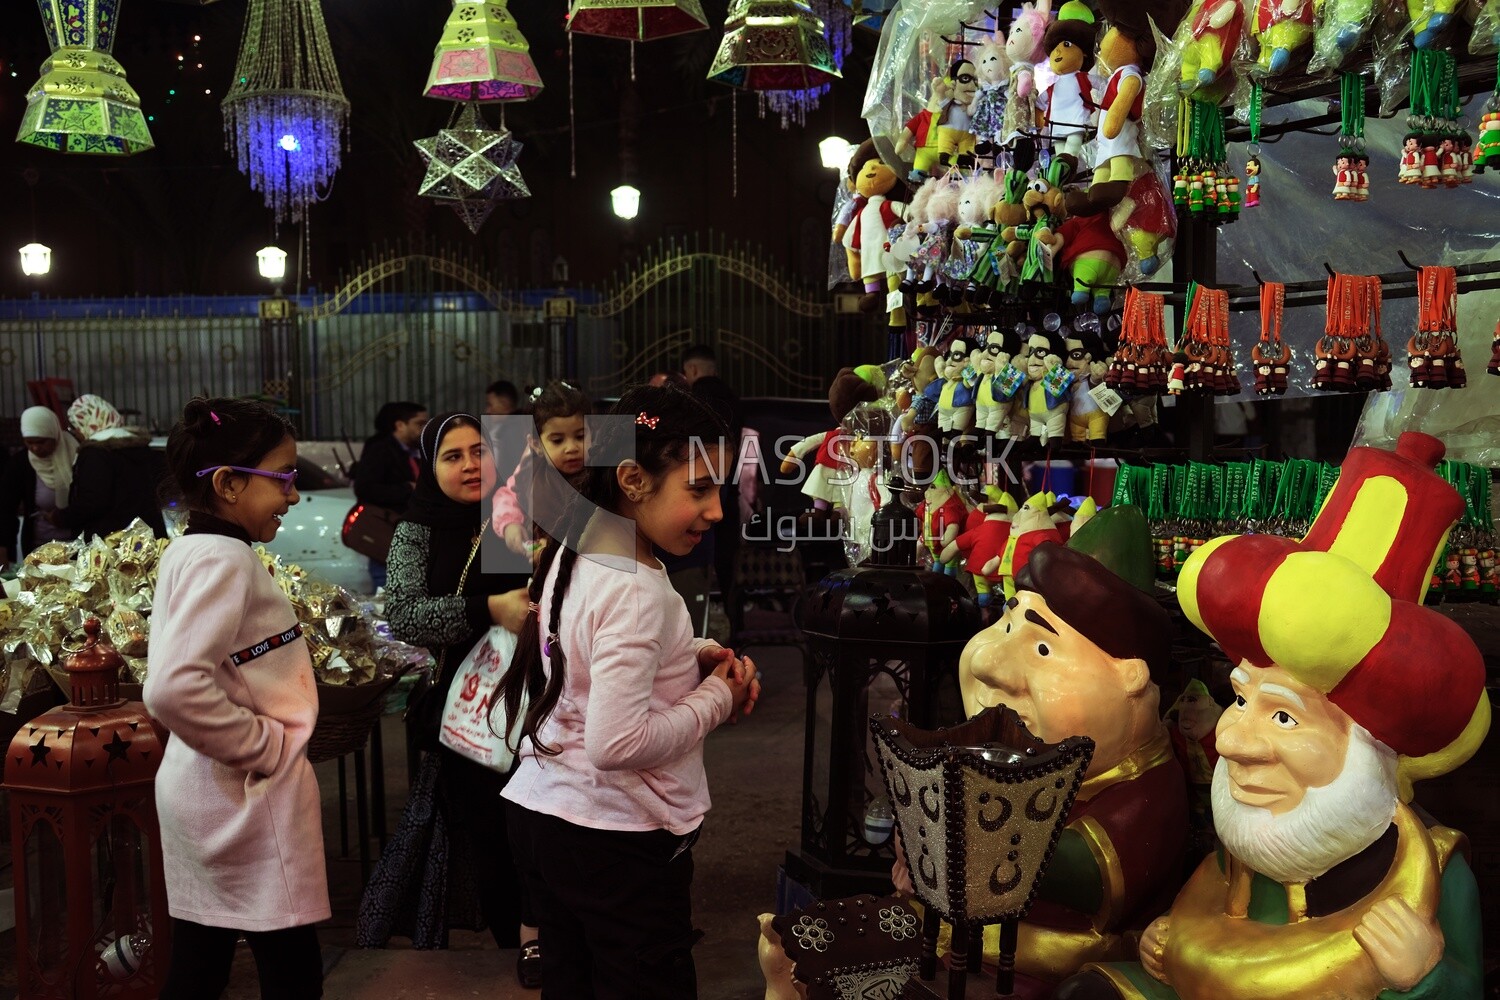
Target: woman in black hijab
{"x":441,"y":869}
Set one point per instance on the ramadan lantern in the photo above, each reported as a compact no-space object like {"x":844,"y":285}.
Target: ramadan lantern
{"x":91,"y":902}
{"x":884,"y":640}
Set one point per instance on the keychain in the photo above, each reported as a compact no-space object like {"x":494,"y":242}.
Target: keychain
{"x":1271,"y":355}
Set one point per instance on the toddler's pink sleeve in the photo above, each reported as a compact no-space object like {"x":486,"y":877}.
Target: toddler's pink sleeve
{"x":506,"y":509}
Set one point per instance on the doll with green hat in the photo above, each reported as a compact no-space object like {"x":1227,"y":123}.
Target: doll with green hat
{"x":1065,"y":110}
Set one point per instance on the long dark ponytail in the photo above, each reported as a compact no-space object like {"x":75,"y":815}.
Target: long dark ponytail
{"x":667,"y":424}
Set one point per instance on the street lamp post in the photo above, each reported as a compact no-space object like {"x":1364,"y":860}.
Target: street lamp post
{"x":281,"y":356}
{"x":36,"y":261}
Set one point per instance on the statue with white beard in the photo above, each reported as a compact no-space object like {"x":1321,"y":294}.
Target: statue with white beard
{"x":1330,"y":884}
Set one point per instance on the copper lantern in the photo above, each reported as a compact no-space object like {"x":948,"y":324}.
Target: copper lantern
{"x":91,"y":902}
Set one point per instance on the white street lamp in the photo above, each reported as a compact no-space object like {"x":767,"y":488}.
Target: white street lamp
{"x":272,"y":263}
{"x":36,"y":259}
{"x":835,"y":152}
{"x":626,"y":201}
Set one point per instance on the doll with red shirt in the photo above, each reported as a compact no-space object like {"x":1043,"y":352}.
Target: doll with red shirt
{"x":941,"y":516}
{"x":981,"y":547}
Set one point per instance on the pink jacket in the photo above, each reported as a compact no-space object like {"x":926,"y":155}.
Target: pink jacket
{"x":230,"y":676}
{"x":633,"y":712}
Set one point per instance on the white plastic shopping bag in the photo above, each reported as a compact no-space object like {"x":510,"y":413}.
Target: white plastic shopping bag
{"x":469,"y":727}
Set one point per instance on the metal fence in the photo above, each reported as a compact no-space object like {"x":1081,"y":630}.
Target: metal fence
{"x":434,"y":327}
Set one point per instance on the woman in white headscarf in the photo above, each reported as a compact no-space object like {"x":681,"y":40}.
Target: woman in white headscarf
{"x":38,"y":482}
{"x":117,"y":473}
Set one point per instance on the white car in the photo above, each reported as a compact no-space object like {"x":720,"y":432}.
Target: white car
{"x":311,"y":531}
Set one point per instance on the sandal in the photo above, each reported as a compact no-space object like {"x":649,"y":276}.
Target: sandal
{"x":529,"y":965}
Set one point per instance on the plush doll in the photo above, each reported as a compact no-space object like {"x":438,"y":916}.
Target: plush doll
{"x":866,"y":428}
{"x":1032,"y":525}
{"x":828,"y":449}
{"x":1024,"y":50}
{"x":941,"y":515}
{"x":1065,"y":109}
{"x":971,"y":265}
{"x":1216,"y":27}
{"x":987,"y":113}
{"x":1036,"y":242}
{"x":941,"y":132}
{"x":1146,"y":220}
{"x":878,"y":204}
{"x":999,"y":382}
{"x":1282,"y":27}
{"x":1087,"y":361}
{"x":1095,"y":256}
{"x":1047,"y":386}
{"x":933,"y":231}
{"x":1428,"y":19}
{"x":953,"y":394}
{"x":981,"y":548}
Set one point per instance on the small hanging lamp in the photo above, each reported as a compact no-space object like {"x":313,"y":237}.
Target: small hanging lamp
{"x":636,"y":20}
{"x":773,"y":45}
{"x":482,"y":56}
{"x":82,"y":103}
{"x":471,"y":167}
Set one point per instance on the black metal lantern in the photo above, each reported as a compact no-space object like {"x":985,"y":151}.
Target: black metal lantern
{"x":884,"y":640}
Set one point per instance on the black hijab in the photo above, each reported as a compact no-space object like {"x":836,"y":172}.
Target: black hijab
{"x":429,"y":505}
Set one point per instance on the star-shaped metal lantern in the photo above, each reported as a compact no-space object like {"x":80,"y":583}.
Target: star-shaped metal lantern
{"x":472,"y":167}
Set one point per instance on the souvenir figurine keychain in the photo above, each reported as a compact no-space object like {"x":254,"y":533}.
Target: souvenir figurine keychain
{"x":1252,"y":162}
{"x":1350,"y":169}
{"x":1271,"y":355}
{"x":1434,"y":355}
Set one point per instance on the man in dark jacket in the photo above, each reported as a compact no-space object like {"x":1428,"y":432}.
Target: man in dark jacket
{"x":701,"y":369}
{"x":387,"y":469}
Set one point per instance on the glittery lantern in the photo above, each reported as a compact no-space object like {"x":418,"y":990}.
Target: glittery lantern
{"x":773,"y":45}
{"x":471,"y":167}
{"x":82,"y":103}
{"x":636,"y":20}
{"x":482,"y":56}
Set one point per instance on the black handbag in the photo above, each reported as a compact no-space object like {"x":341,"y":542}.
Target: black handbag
{"x":368,"y":530}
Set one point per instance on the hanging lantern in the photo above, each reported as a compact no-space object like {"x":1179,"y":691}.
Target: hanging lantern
{"x":471,"y":167}
{"x":482,"y":56}
{"x":793,"y":105}
{"x":636,"y":20}
{"x":91,"y":901}
{"x":82,"y":103}
{"x":773,"y":45}
{"x":285,"y":115}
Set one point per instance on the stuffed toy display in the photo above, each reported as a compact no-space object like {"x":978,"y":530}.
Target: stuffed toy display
{"x":941,"y":132}
{"x":879,"y":202}
{"x":1065,"y":109}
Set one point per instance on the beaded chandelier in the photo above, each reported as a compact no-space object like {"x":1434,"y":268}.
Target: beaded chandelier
{"x":285,"y":116}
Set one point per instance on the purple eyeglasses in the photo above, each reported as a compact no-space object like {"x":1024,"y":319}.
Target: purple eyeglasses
{"x":288,"y":479}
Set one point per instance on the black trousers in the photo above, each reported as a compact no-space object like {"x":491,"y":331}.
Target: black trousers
{"x":289,"y":962}
{"x":614,"y":910}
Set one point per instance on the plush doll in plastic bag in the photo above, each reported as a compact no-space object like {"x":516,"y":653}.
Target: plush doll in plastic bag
{"x":1428,"y":19}
{"x":867,"y":431}
{"x":1214,"y":31}
{"x":941,"y":132}
{"x":922,"y":246}
{"x":1065,"y":109}
{"x":1485,"y":40}
{"x":1341,"y":28}
{"x":970,"y":266}
{"x":1281,"y":27}
{"x":1094,"y":256}
{"x":1026,"y":53}
{"x":1146,"y":220}
{"x":827,"y":450}
{"x":879,"y":203}
{"x":1087,"y":361}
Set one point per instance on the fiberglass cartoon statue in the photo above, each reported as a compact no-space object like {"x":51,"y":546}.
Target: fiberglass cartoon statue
{"x":862,"y":228}
{"x":1077,"y":652}
{"x":1329,"y":884}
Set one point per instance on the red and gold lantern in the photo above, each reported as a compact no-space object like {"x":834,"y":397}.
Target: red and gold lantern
{"x":91,"y":901}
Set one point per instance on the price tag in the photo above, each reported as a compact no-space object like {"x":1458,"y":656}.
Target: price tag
{"x":1044,"y":254}
{"x":894,"y":301}
{"x":1109,"y":401}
